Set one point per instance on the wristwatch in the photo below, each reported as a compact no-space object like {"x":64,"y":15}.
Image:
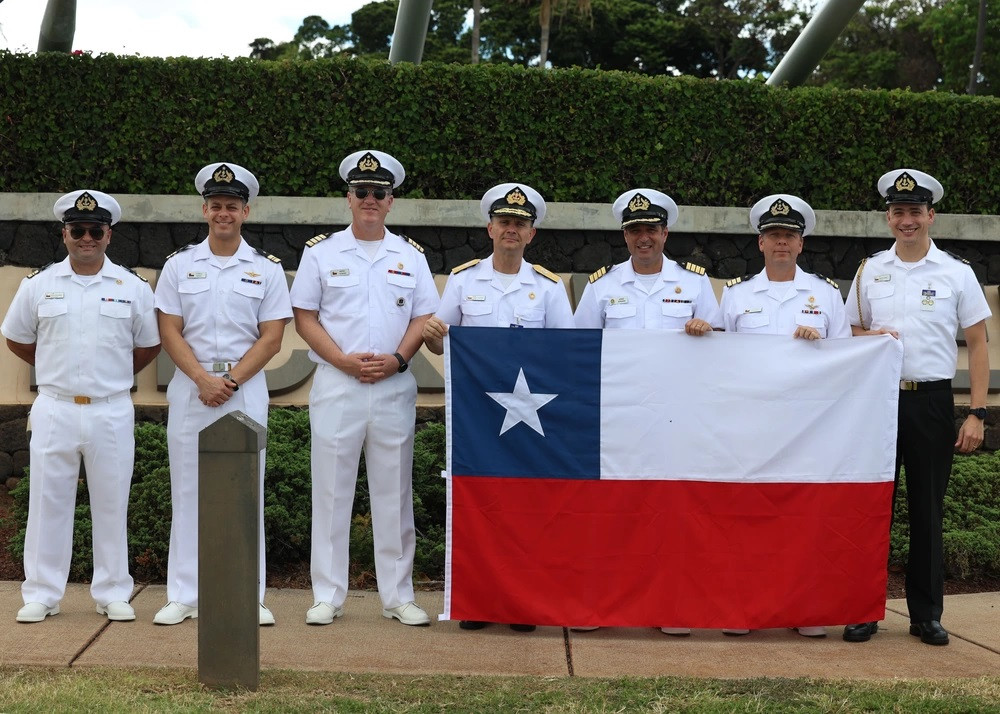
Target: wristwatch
{"x":227,"y":376}
{"x":403,"y":366}
{"x":979,"y":412}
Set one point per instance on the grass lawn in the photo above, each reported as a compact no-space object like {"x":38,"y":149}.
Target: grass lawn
{"x":175,"y":690}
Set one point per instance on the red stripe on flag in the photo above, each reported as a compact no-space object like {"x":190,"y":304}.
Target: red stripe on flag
{"x":668,"y":553}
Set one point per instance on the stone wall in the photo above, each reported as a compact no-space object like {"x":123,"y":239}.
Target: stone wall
{"x":147,"y":245}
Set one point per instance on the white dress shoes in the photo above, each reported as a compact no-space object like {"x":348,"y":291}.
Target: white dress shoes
{"x":118,"y":611}
{"x":322,"y":613}
{"x":676,"y":631}
{"x":174,"y":613}
{"x":264,"y":616}
{"x":36,"y":612}
{"x":408,"y":614}
{"x":811,"y":631}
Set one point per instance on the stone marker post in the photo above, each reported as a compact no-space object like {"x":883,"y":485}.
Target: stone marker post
{"x":228,"y":562}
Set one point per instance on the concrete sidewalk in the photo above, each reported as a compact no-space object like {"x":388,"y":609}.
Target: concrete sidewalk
{"x":364,"y":641}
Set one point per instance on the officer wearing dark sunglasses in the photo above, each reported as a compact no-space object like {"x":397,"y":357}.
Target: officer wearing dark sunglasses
{"x":361,"y":297}
{"x":84,"y":310}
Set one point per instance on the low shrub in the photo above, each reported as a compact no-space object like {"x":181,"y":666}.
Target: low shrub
{"x":971,"y":525}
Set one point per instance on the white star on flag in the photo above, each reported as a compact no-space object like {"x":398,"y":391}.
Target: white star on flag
{"x":521,"y":405}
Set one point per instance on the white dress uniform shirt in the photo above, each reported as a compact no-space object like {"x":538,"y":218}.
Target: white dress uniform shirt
{"x":222,"y":301}
{"x":85,"y":329}
{"x":924,"y":302}
{"x":364,"y":304}
{"x":760,"y":306}
{"x":474,"y":296}
{"x":620,"y":299}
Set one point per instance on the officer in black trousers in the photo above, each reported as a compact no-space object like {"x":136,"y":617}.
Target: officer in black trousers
{"x":920,"y":294}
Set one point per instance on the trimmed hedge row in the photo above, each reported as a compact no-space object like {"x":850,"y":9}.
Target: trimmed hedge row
{"x":146,"y":125}
{"x":971,"y":536}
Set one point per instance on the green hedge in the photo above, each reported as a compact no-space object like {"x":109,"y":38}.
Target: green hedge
{"x":287,"y":505}
{"x":971,"y":533}
{"x":145,"y":125}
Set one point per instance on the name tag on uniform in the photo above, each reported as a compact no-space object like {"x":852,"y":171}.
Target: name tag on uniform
{"x":618,"y":300}
{"x":197,"y":275}
{"x":752,"y":310}
{"x":339,"y":272}
{"x":54,"y":296}
{"x":475,"y":298}
{"x":883,"y":278}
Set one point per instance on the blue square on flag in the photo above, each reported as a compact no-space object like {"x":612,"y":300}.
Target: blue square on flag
{"x":533,"y":415}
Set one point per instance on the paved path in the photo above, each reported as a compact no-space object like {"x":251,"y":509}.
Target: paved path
{"x":364,"y":641}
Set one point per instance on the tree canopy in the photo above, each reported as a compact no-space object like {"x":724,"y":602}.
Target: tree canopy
{"x":917,"y":44}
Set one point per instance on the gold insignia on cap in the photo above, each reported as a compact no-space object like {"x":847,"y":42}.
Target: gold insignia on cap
{"x":677,"y":289}
{"x":86,"y":202}
{"x":223,"y":175}
{"x":516,"y":197}
{"x":905,"y":182}
{"x":780,"y":208}
{"x":368,"y":163}
{"x":639,"y":203}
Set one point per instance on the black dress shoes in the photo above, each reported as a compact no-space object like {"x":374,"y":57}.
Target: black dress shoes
{"x":929,"y":632}
{"x":860,"y":633}
{"x":523,"y":628}
{"x":472,"y":624}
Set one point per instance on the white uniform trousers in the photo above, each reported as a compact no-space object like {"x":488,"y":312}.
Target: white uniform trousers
{"x":62,"y":432}
{"x":346,"y":415}
{"x":186,"y":417}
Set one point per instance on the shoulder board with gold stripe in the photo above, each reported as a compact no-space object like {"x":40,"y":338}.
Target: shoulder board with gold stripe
{"x":135,"y":274}
{"x":413,"y":243}
{"x":36,"y":271}
{"x":463,"y":266}
{"x":693,"y":267}
{"x":316,"y":239}
{"x":598,"y":274}
{"x":734,"y":281}
{"x":957,"y":257}
{"x":546,"y":272}
{"x":180,"y":250}
{"x":272,"y":258}
{"x":832,"y":282}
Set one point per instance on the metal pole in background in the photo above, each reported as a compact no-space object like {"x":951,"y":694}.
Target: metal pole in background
{"x":58,"y":26}
{"x":410,"y":31}
{"x":228,"y":558}
{"x":817,"y":37}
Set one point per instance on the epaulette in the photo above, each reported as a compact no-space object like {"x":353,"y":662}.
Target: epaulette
{"x":693,"y":267}
{"x":180,"y":250}
{"x":463,"y":266}
{"x":135,"y":274}
{"x":272,"y":258}
{"x":832,"y":282}
{"x":737,"y":281}
{"x":546,"y":272}
{"x":598,"y":274}
{"x":413,"y":243}
{"x":36,"y":271}
{"x":316,"y":239}
{"x":957,"y":257}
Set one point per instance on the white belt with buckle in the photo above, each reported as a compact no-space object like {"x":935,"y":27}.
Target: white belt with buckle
{"x":79,"y":398}
{"x":219,"y":366}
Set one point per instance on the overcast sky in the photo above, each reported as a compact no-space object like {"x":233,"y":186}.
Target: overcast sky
{"x":171,"y":28}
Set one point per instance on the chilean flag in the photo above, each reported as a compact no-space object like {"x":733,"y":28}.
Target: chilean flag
{"x":651,"y":478}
